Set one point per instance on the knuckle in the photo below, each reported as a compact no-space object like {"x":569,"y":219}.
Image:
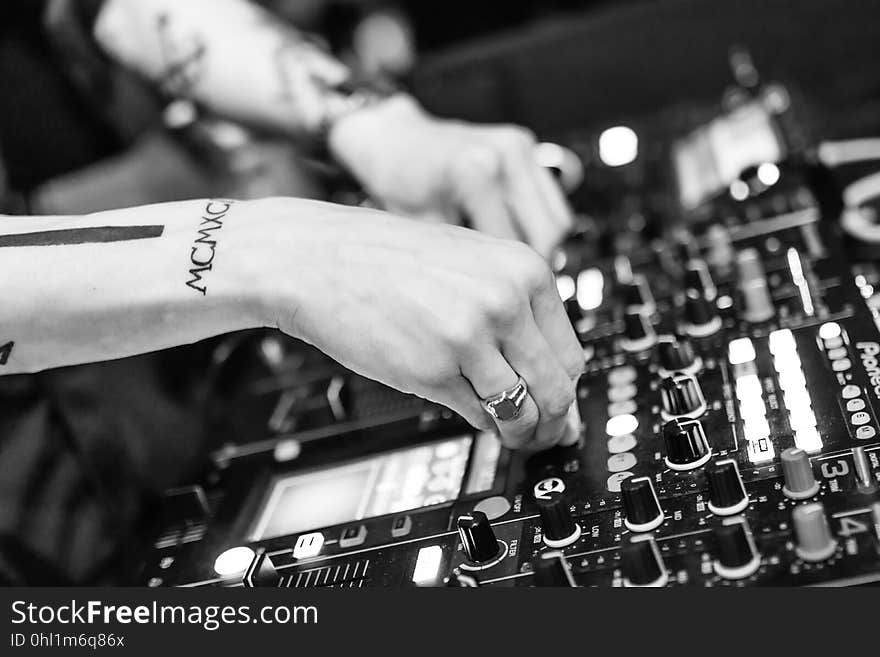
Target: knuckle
{"x":477,"y":164}
{"x":532,"y":269}
{"x":518,"y":136}
{"x":503,"y":306}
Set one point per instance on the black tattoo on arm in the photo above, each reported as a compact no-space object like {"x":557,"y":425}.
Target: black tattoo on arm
{"x":96,"y":235}
{"x":204,"y":247}
{"x":5,"y":351}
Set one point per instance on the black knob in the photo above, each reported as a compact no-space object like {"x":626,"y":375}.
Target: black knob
{"x":727,"y":494}
{"x":559,"y":527}
{"x":552,"y":569}
{"x":698,"y":280}
{"x":701,"y":317}
{"x":461,"y":580}
{"x":642,"y":564}
{"x":682,"y":397}
{"x":677,"y":355}
{"x":262,"y":572}
{"x":686,"y":444}
{"x":738,"y":555}
{"x":636,"y":295}
{"x":641,"y":508}
{"x":478,"y":537}
{"x":638,"y":333}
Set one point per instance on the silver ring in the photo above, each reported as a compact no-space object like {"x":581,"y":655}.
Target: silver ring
{"x":506,"y":405}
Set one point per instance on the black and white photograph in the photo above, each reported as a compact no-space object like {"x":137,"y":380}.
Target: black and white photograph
{"x":410,"y":294}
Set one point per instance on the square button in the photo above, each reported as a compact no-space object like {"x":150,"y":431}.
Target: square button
{"x":401,"y":526}
{"x":353,"y":536}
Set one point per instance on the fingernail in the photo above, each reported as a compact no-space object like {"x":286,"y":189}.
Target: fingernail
{"x":573,"y":426}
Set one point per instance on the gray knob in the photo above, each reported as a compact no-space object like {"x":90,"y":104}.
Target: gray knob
{"x":800,"y":482}
{"x":814,"y":539}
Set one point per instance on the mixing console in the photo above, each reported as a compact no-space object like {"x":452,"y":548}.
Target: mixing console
{"x":729,"y":402}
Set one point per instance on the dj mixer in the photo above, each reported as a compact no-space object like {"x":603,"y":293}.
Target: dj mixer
{"x":729,"y":403}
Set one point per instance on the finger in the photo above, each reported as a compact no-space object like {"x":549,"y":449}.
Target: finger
{"x":555,"y":199}
{"x":490,"y":374}
{"x":459,"y":395}
{"x":554,"y":324}
{"x":552,"y":389}
{"x":477,"y":179}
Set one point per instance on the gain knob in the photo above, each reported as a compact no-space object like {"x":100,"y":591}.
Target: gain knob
{"x":478,"y":539}
{"x":686,"y":445}
{"x":552,"y":569}
{"x":558,"y":526}
{"x":738,"y":556}
{"x":681,"y":396}
{"x":642,"y":564}
{"x":701,"y":318}
{"x":800,"y":482}
{"x":677,"y":355}
{"x":813,"y":535}
{"x":641,"y":507}
{"x":727,"y":494}
{"x":638,"y":333}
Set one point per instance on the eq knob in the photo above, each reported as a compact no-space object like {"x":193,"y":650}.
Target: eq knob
{"x":478,"y":538}
{"x":558,"y":526}
{"x":638,"y":333}
{"x":800,"y":482}
{"x":813,"y":535}
{"x":682,"y":396}
{"x":641,"y":507}
{"x":701,"y":318}
{"x":686,"y":445}
{"x":552,"y":569}
{"x":677,"y":355}
{"x":642,"y":564}
{"x":738,"y":555}
{"x":727,"y":494}
{"x":698,"y":279}
{"x":637,"y":295}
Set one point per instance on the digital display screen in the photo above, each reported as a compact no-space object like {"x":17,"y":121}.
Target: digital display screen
{"x":391,"y":482}
{"x":709,"y":159}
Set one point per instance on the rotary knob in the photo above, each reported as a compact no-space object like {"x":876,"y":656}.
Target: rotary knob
{"x":642,"y":564}
{"x":800,"y":482}
{"x":677,"y":355}
{"x":558,"y":526}
{"x":552,"y":569}
{"x":814,"y":539}
{"x":738,"y":556}
{"x":641,"y":507}
{"x":638,"y":333}
{"x":682,"y":396}
{"x":478,"y":538}
{"x":637,"y":295}
{"x":701,"y":318}
{"x":727,"y":493}
{"x":686,"y":445}
{"x":461,"y":580}
{"x":698,"y":279}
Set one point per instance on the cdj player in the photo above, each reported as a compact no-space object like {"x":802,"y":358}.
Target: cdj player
{"x":729,"y":401}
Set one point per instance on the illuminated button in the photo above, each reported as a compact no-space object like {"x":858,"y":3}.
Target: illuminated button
{"x":618,"y":146}
{"x":620,"y":425}
{"x":427,"y":564}
{"x":841,"y":365}
{"x":621,"y":462}
{"x":308,"y":545}
{"x":782,"y":341}
{"x":756,"y":428}
{"x":622,"y":375}
{"x":865,"y":433}
{"x":621,"y":393}
{"x":590,"y":288}
{"x":792,"y":378}
{"x":854,"y":405}
{"x":614,"y":481}
{"x":851,"y":392}
{"x":830,"y":331}
{"x":837,"y":354}
{"x":741,"y":351}
{"x":627,"y":407}
{"x":233,"y":561}
{"x":620,"y":444}
{"x":834,"y":343}
{"x":757,"y":302}
{"x":808,"y":439}
{"x":494,"y":507}
{"x":565,"y":286}
{"x":401,"y":526}
{"x":748,"y":386}
{"x":858,"y":419}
